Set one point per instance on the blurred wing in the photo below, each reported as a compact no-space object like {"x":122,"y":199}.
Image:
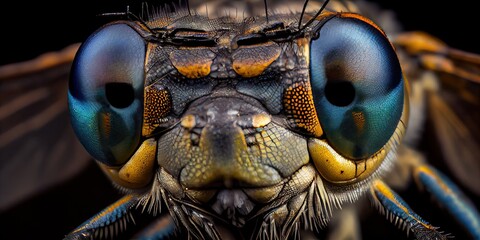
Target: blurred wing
{"x":453,"y":102}
{"x":37,"y":145}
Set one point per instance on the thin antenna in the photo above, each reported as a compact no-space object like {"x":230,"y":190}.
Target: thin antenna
{"x":314,"y":17}
{"x":266,"y":9}
{"x":303,"y":12}
{"x":127,"y":14}
{"x":188,"y":7}
{"x":145,"y":12}
{"x":206,"y":9}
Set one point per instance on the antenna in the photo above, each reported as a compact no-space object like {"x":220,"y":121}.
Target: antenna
{"x":314,"y":17}
{"x":266,"y":9}
{"x":188,"y":7}
{"x":303,"y":12}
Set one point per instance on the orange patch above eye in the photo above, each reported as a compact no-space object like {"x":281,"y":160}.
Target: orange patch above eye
{"x":192,"y":63}
{"x":251,"y":61}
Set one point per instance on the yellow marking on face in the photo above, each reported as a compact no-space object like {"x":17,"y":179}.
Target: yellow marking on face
{"x":225,"y":157}
{"x":361,"y":167}
{"x":304,"y":44}
{"x":330,"y":164}
{"x":150,"y":51}
{"x":260,"y":120}
{"x":249,"y":69}
{"x":224,"y":40}
{"x":251,"y":61}
{"x":188,"y":122}
{"x":374,"y":161}
{"x":336,"y":169}
{"x":195,"y":70}
{"x":192,"y":63}
{"x":138,"y":171}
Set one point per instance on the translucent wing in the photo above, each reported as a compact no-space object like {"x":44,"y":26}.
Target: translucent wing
{"x":452,"y":97}
{"x":37,"y":145}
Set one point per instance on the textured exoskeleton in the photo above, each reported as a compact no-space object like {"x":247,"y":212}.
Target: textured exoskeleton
{"x":271,"y":124}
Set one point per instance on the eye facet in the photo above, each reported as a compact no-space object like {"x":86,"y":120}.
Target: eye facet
{"x":357,"y":86}
{"x":106,"y":93}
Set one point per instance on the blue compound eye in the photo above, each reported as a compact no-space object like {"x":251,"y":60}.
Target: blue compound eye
{"x":106,"y":93}
{"x":357,"y":86}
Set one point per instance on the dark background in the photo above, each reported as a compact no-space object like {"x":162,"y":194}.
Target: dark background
{"x":29,"y":29}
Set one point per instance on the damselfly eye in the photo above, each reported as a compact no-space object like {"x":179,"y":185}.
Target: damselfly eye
{"x":357,"y":86}
{"x":106,"y":93}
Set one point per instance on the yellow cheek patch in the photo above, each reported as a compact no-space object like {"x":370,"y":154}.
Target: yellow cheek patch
{"x":188,"y":122}
{"x":138,"y":171}
{"x":192,"y":63}
{"x":251,"y":61}
{"x":260,"y":120}
{"x":337,"y":169}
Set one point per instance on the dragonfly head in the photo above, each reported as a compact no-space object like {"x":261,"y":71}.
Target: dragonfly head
{"x":241,"y":116}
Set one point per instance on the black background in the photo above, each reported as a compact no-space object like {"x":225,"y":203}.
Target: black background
{"x":29,"y":29}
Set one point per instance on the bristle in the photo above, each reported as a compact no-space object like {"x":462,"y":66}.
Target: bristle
{"x":151,"y":202}
{"x":100,"y":233}
{"x":416,"y":228}
{"x":194,"y":221}
{"x":110,"y":230}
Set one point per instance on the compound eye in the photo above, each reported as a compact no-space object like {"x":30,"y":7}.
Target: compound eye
{"x":357,"y":86}
{"x":106,"y":93}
